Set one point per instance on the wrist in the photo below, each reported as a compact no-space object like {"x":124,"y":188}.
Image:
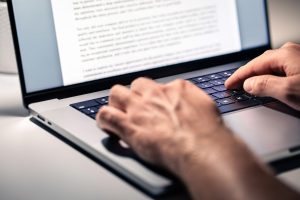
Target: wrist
{"x":196,"y":150}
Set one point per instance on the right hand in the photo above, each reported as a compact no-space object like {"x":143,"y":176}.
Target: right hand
{"x":276,"y":74}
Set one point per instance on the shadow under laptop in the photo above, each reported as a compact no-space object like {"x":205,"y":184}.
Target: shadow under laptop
{"x":14,"y":111}
{"x":114,"y":146}
{"x":11,"y":98}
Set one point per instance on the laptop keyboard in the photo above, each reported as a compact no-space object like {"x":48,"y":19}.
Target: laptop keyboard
{"x":213,"y":84}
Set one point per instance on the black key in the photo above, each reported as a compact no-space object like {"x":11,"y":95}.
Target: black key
{"x":226,"y":101}
{"x":192,"y":81}
{"x":225,"y":79}
{"x":233,"y":70}
{"x":226,"y":74}
{"x":103,"y":100}
{"x":210,"y":91}
{"x":93,"y":116}
{"x":238,"y":106}
{"x":213,"y":97}
{"x":217,"y":82}
{"x":214,"y":76}
{"x":236,"y":92}
{"x":90,"y":111}
{"x":250,"y":95}
{"x":240,"y":98}
{"x":218,"y":104}
{"x":99,"y":107}
{"x":220,"y":88}
{"x":201,"y":79}
{"x":221,"y":95}
{"x":85,"y":104}
{"x":205,"y":85}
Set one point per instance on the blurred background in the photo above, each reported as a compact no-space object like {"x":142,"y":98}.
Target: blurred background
{"x":284,"y":21}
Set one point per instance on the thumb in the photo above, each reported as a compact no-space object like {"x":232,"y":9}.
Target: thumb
{"x":266,"y":86}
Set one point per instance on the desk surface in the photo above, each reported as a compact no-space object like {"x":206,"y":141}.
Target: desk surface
{"x":37,"y":165}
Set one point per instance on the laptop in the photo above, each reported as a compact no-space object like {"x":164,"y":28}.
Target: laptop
{"x":71,"y":52}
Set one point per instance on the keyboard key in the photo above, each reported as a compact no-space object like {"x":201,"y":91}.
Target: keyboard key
{"x":233,"y":70}
{"x":93,"y":116}
{"x":225,"y":79}
{"x":201,"y":79}
{"x":210,"y":91}
{"x":214,"y":76}
{"x":220,"y":88}
{"x":240,"y":98}
{"x":103,"y":100}
{"x":213,"y":97}
{"x":217,"y":82}
{"x":238,"y":106}
{"x":226,"y":74}
{"x":236,"y":92}
{"x":85,"y":104}
{"x":205,"y":85}
{"x":192,"y":81}
{"x":250,"y":95}
{"x":218,"y":104}
{"x":221,"y":95}
{"x":226,"y":101}
{"x":90,"y":111}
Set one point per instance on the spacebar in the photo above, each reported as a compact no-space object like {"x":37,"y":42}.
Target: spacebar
{"x":238,"y":106}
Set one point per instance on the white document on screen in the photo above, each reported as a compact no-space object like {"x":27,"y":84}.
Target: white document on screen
{"x":105,"y":38}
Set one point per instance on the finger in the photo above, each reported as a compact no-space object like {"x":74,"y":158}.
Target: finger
{"x":143,"y":86}
{"x":114,"y":121}
{"x":266,"y":86}
{"x":270,"y":62}
{"x":119,"y":97}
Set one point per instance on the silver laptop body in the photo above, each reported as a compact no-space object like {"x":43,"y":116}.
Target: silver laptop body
{"x":66,"y":55}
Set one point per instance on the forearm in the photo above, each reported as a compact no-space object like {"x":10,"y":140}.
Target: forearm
{"x":228,"y":170}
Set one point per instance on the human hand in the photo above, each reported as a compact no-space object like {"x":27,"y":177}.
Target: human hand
{"x":276,"y":74}
{"x":162,"y":123}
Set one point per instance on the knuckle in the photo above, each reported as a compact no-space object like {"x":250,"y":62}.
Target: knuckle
{"x":268,"y":52}
{"x":180,"y":82}
{"x":289,"y":90}
{"x":139,"y":80}
{"x":288,"y":44}
{"x":104,"y":114}
{"x":115,"y":89}
{"x":260,"y":84}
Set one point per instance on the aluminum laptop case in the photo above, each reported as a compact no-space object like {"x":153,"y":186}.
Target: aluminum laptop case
{"x":41,"y":48}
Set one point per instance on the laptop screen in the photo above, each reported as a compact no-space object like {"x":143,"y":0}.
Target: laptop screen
{"x":66,"y":42}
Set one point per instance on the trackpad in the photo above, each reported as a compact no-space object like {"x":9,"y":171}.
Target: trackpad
{"x":265,"y":129}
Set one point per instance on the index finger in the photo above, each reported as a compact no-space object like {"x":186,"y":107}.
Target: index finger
{"x":268,"y":63}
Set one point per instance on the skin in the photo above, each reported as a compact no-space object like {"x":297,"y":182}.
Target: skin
{"x":178,"y":127}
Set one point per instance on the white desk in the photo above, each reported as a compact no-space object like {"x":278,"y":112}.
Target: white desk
{"x":36,"y":165}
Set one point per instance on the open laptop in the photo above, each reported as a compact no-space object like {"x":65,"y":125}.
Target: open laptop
{"x":70,"y":52}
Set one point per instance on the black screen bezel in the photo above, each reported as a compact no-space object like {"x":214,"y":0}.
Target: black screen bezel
{"x":98,"y":85}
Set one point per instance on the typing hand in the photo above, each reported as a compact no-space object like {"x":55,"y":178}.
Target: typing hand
{"x":276,"y":73}
{"x":162,"y":123}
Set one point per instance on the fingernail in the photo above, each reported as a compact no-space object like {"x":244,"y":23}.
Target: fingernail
{"x":248,"y":85}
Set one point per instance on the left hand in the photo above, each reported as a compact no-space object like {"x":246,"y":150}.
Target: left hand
{"x":162,"y":123}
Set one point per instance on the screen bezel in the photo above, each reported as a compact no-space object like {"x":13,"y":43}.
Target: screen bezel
{"x":98,"y":85}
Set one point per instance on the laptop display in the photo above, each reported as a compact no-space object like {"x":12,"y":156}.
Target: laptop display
{"x":72,"y":41}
